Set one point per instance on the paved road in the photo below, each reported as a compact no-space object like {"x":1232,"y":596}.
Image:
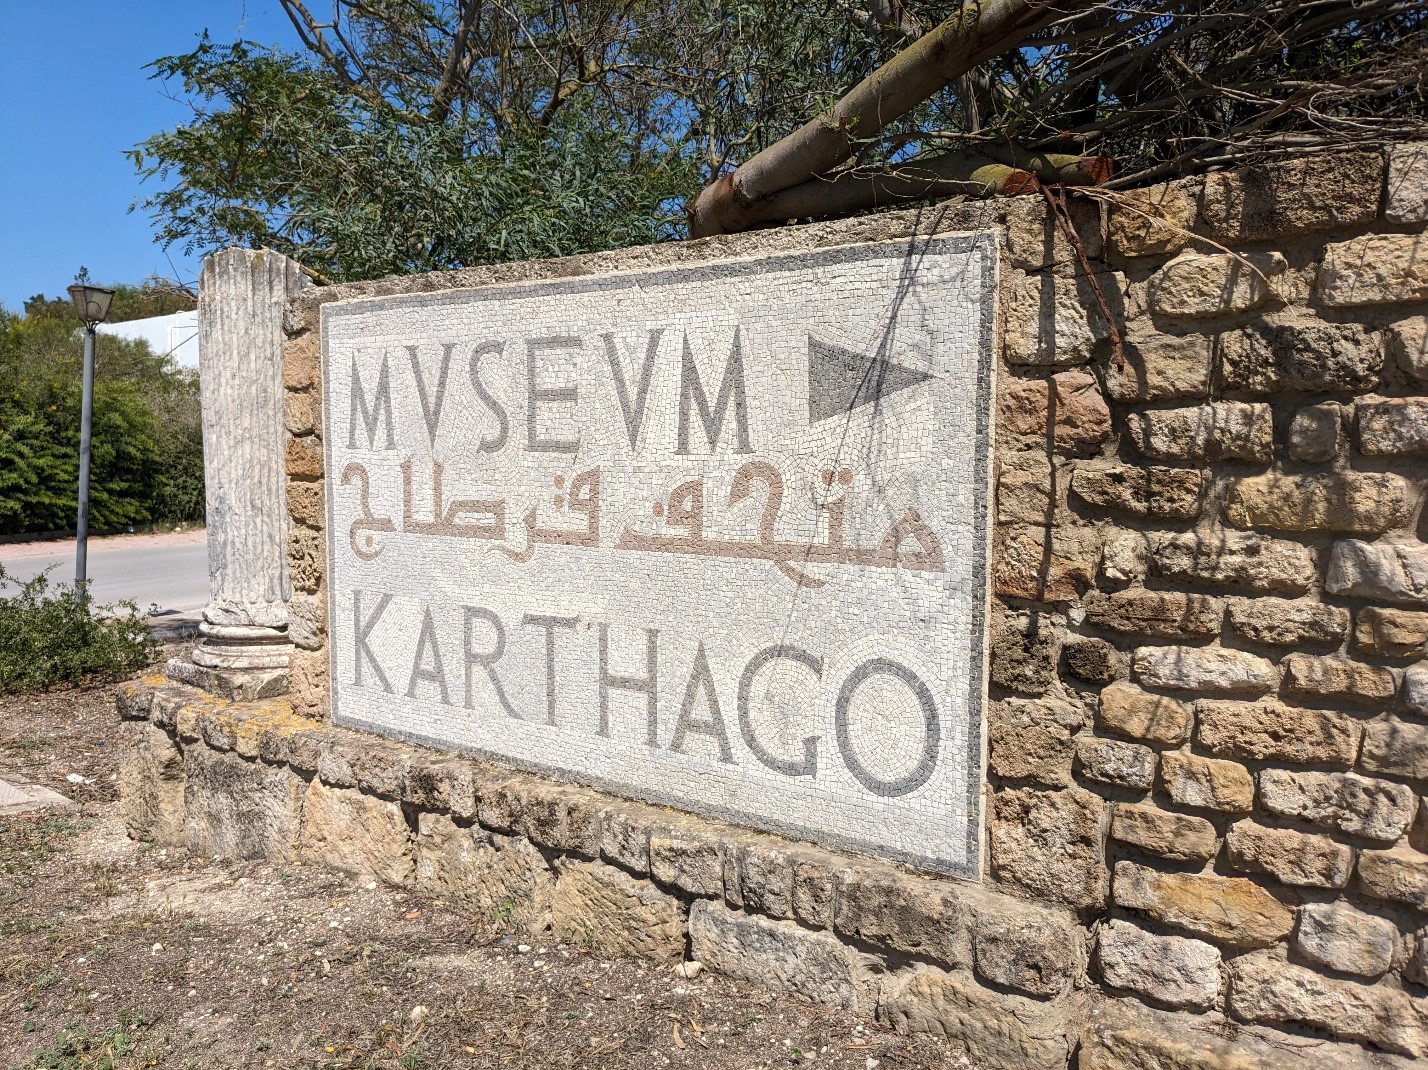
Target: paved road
{"x":171,"y":570}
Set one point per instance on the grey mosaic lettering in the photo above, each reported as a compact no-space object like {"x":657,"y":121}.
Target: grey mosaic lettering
{"x":494,"y":443}
{"x":549,"y":624}
{"x":731,"y":389}
{"x":734,"y":561}
{"x":535,"y":441}
{"x":701,"y":681}
{"x":434,"y":673}
{"x":633,"y":412}
{"x":381,"y":406}
{"x":647,"y":685}
{"x":487,"y":662}
{"x":769,"y":654}
{"x":361,"y":635}
{"x":431,"y":408}
{"x":932,"y":728}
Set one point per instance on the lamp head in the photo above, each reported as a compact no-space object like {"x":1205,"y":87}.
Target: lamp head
{"x":91,"y":303}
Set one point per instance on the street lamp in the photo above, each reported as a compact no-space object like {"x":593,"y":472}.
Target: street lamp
{"x":91,"y":303}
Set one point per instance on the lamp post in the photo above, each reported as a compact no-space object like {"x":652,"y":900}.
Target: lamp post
{"x":92,"y":305}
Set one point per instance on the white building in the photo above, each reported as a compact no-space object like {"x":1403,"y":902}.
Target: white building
{"x":175,"y":334}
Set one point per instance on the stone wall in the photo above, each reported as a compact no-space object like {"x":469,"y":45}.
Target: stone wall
{"x":1208,"y":735}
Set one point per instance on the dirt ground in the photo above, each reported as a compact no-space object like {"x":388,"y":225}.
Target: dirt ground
{"x":114,"y":954}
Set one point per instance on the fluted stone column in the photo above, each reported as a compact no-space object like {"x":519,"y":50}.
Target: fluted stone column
{"x":245,"y":648}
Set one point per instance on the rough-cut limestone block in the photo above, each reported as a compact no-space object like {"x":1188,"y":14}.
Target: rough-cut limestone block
{"x":1406,"y":196}
{"x":1339,"y":680}
{"x":1406,"y":342}
{"x":1197,"y":668}
{"x":1152,"y":221}
{"x":1337,"y":936}
{"x":563,"y":819}
{"x":1160,"y":366}
{"x":1023,"y":651}
{"x":1346,"y":802}
{"x":1128,"y":711}
{"x":1163,"y":614}
{"x":1391,"y":633}
{"x":817,"y":876}
{"x":1234,"y":559}
{"x":1026,"y":484}
{"x":1174,"y":971}
{"x":1393,"y":427}
{"x":1192,"y":286}
{"x":1391,"y":572}
{"x":1355,"y":503}
{"x":307,"y":559}
{"x":1228,"y":910}
{"x":1374,"y":269}
{"x":1295,"y":858}
{"x":307,"y":622}
{"x":1049,"y":844}
{"x":1219,"y":431}
{"x":345,"y":829}
{"x":1043,"y":564}
{"x":1069,"y":407}
{"x":1287,"y":622}
{"x":778,"y":955}
{"x":1152,"y":492}
{"x":1265,"y":988}
{"x":304,"y":458}
{"x":1314,"y":432}
{"x":1178,"y":837}
{"x":240,"y":809}
{"x":1036,"y":237}
{"x":1021,"y":746}
{"x":305,"y":504}
{"x":301,"y":361}
{"x":151,"y":788}
{"x":1291,"y":197}
{"x":1399,"y":875}
{"x":1055,"y":321}
{"x":1417,"y":966}
{"x":764,"y":870}
{"x":1125,"y":559}
{"x":1000,"y":1032}
{"x":1397,"y":748}
{"x":495,"y":878}
{"x":906,"y":913}
{"x":613,"y":914}
{"x":684,"y":859}
{"x":1125,"y":1037}
{"x":1301,"y":357}
{"x":1267,"y":730}
{"x":301,"y":415}
{"x":1111,"y":761}
{"x":1207,"y":783}
{"x":1415,"y":689}
{"x":1093,"y":660}
{"x":1024,"y":947}
{"x":307,"y":682}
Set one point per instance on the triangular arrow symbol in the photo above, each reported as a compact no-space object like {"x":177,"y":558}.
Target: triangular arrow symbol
{"x":840,"y":380}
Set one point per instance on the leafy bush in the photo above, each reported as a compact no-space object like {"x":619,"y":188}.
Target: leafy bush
{"x":55,"y":637}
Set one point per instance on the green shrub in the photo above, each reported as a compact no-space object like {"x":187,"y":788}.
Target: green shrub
{"x":51,"y":637}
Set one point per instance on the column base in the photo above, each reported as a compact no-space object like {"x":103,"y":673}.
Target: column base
{"x":241,"y":662}
{"x":236,"y":685}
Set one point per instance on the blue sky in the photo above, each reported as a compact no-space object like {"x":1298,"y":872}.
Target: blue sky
{"x":73,"y":96}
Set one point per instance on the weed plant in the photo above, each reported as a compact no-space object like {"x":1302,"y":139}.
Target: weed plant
{"x":52,"y":635}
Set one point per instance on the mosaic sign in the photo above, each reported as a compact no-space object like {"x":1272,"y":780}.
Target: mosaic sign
{"x":712,"y":536}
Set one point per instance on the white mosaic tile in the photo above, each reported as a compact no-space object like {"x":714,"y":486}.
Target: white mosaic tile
{"x":713,"y":536}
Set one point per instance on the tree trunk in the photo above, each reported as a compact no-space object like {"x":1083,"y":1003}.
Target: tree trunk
{"x":976,"y":33}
